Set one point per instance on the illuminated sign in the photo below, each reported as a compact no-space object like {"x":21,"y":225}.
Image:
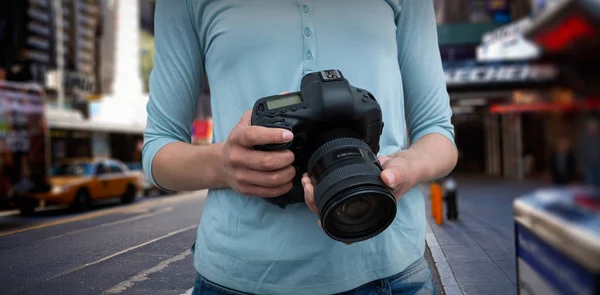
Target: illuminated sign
{"x":507,"y":32}
{"x":563,"y":34}
{"x":568,"y":26}
{"x":500,"y":74}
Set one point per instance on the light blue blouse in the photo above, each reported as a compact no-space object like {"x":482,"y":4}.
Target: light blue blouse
{"x":255,"y":48}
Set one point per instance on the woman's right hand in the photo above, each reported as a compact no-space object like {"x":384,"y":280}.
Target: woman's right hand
{"x":257,"y":173}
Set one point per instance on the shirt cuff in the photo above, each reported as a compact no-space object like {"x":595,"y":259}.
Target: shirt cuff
{"x":431,"y":130}
{"x":150,"y":150}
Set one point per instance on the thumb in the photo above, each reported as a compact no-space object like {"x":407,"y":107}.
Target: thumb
{"x":391,"y":178}
{"x":383,"y":159}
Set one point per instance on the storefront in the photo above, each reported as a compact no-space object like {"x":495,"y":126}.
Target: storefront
{"x":535,"y":82}
{"x":72,"y":136}
{"x":67,"y":144}
{"x":23,"y":139}
{"x":487,"y":141}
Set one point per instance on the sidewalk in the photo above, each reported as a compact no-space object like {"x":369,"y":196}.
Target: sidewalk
{"x":475,"y":255}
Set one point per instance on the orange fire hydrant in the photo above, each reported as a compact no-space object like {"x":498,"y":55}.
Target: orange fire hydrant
{"x":437,"y":203}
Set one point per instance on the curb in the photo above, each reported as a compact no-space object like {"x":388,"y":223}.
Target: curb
{"x":449,"y":284}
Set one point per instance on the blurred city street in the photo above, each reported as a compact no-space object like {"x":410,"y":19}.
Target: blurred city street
{"x":78,"y":214}
{"x":141,"y":248}
{"x":479,"y":247}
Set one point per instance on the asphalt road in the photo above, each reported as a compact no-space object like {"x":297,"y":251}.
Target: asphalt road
{"x":142,"y":248}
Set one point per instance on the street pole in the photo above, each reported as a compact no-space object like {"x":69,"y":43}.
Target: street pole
{"x":60,"y":54}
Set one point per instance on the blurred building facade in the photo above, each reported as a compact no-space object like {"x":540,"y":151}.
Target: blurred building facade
{"x":93,"y":58}
{"x":512,"y":100}
{"x":85,"y":54}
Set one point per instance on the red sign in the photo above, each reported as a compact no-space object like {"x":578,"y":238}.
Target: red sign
{"x":202,"y":129}
{"x":563,"y":34}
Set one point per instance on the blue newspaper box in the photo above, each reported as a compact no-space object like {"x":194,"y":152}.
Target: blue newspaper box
{"x":557,"y":237}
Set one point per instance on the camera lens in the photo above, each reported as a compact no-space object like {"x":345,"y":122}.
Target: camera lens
{"x":356,"y":208}
{"x":354,"y":204}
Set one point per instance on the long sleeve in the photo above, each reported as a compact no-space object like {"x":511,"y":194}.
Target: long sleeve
{"x":426,"y":99}
{"x":175,"y":82}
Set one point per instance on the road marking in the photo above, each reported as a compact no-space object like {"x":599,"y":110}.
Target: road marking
{"x":119,"y":253}
{"x":143,"y":275}
{"x":9,"y":213}
{"x":134,"y":218}
{"x":188,"y":292}
{"x":66,"y":220}
{"x":138,"y":208}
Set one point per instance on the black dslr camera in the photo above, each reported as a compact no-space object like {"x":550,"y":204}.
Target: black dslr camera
{"x":336,"y":138}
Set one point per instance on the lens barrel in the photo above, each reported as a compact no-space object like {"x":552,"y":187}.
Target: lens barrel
{"x":353,"y":202}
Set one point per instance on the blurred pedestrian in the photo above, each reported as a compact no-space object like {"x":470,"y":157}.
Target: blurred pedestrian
{"x":562,"y":162}
{"x":590,"y":152}
{"x":253,"y":49}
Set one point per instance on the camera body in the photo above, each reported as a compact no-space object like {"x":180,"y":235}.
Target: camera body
{"x":326,"y":107}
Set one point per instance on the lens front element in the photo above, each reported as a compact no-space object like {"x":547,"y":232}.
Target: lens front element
{"x":354,"y":204}
{"x":357,"y":208}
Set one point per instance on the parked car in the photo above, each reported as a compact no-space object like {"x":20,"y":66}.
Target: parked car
{"x":147,"y":187}
{"x":80,"y":182}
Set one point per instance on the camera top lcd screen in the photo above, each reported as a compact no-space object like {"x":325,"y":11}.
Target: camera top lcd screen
{"x":284,"y":101}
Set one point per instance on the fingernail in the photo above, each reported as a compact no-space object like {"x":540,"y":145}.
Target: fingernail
{"x":287,"y":135}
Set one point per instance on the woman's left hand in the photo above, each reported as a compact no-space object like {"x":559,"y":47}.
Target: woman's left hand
{"x":398,"y":174}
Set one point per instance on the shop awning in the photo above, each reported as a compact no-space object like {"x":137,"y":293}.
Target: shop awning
{"x":547,"y":107}
{"x":72,"y":120}
{"x":98,"y":127}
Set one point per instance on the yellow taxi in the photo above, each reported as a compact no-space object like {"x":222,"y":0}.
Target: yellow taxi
{"x":80,"y":182}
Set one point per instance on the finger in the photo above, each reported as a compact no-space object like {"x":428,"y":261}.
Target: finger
{"x":263,"y":192}
{"x":246,"y":119}
{"x":309,"y":194}
{"x":392,"y":178}
{"x":399,"y":193}
{"x":260,"y":160}
{"x":383,"y":159}
{"x":269,"y":179}
{"x":258,"y":135}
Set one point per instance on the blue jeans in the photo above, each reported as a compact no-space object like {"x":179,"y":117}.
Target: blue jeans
{"x":416,"y":279}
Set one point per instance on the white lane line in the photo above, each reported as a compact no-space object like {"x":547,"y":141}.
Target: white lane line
{"x":188,"y":292}
{"x":76,"y":218}
{"x":134,"y":218}
{"x":143,"y":275}
{"x":9,"y":213}
{"x":142,"y":207}
{"x":119,"y":253}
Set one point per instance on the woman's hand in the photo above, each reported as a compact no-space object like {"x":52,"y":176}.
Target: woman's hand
{"x":398,"y":174}
{"x":257,"y":173}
